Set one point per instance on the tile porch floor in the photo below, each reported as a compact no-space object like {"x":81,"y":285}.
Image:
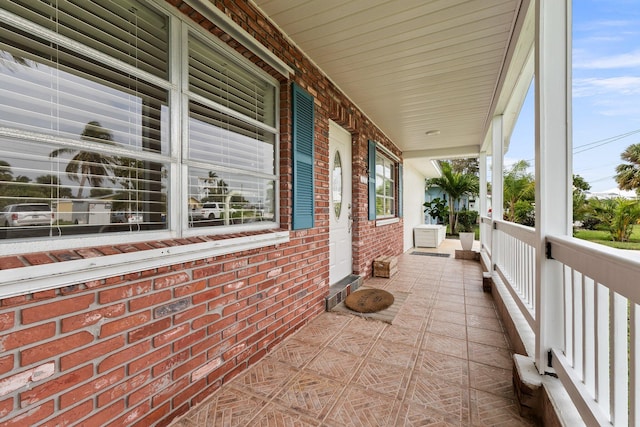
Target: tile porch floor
{"x":444,"y":361}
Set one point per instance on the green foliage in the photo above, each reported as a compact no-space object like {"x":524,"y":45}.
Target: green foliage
{"x":617,"y":216}
{"x":603,"y":237}
{"x":628,"y":174}
{"x":519,"y":188}
{"x":580,"y":205}
{"x":437,"y":208}
{"x":469,"y":166}
{"x":467,"y":220}
{"x":524,"y":213}
{"x":626,"y":214}
{"x":455,"y":185}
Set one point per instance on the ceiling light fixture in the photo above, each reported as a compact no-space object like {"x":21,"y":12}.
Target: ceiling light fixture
{"x":433,"y":132}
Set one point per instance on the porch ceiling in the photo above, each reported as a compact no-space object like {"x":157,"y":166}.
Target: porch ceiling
{"x":412,"y":66}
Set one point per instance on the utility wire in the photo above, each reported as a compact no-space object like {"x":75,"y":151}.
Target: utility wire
{"x":595,"y":144}
{"x":591,"y":145}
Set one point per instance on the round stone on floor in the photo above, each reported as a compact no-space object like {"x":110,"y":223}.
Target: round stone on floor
{"x":369,"y":300}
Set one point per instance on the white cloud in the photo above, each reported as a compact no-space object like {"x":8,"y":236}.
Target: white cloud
{"x":623,"y":85}
{"x":624,"y":60}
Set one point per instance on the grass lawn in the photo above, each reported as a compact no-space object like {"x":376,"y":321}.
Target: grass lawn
{"x":604,"y":238}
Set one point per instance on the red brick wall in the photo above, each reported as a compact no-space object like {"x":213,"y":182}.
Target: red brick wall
{"x":143,"y":348}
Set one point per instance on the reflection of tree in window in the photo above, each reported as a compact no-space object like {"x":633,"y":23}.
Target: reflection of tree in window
{"x":88,"y":165}
{"x":6,"y":174}
{"x":21,"y":189}
{"x":215,"y":189}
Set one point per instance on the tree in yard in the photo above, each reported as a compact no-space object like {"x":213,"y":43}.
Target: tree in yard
{"x":455,"y":185}
{"x":626,"y":215}
{"x":580,"y":205}
{"x":618,"y":216}
{"x":519,"y":189}
{"x":89,"y":165}
{"x":628,"y":174}
{"x":466,"y":166}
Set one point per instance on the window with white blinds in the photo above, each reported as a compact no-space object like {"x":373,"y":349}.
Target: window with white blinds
{"x":231,"y":141}
{"x":85,"y":127}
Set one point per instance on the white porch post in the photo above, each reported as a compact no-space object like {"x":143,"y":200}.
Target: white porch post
{"x":483,"y":184}
{"x":497,"y":158}
{"x":497,"y":194}
{"x":553,"y":165}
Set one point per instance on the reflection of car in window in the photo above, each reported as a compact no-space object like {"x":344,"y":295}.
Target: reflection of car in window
{"x":210,"y":210}
{"x":27,"y":214}
{"x":126,"y":217}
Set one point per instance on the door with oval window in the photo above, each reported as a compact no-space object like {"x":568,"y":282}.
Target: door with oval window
{"x":340,"y":212}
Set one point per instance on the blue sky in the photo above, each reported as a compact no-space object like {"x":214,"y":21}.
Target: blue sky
{"x":606,"y":91}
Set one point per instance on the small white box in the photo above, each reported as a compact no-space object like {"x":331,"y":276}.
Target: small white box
{"x":428,"y":235}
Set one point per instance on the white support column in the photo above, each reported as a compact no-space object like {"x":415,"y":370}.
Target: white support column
{"x":482,"y":208}
{"x":553,"y":165}
{"x":485,"y":231}
{"x":497,"y":160}
{"x":497,"y":187}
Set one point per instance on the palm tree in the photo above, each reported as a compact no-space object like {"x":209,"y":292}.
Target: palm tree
{"x":88,"y":165}
{"x":518,"y":187}
{"x":6,"y":174}
{"x":626,"y":215}
{"x":628,"y":175}
{"x":455,"y":185}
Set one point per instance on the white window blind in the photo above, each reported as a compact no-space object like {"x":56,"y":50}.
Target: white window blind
{"x":124,"y":29}
{"x":232,"y":140}
{"x":73,"y":129}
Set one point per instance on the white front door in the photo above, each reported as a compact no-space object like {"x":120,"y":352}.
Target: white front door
{"x":340,"y":251}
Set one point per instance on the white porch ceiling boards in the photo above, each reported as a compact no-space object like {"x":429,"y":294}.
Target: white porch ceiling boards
{"x":410,"y":65}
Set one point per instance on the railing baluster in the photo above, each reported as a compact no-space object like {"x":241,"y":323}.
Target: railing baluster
{"x":589,"y":332}
{"x":619,"y":357}
{"x":634,"y":375}
{"x":568,"y":315}
{"x":601,"y":310}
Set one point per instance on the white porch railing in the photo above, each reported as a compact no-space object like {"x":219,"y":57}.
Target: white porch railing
{"x":599,"y":364}
{"x":485,"y":235}
{"x":514,"y":256}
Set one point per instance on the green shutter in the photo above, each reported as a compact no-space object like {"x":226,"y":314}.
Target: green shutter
{"x":302,"y":132}
{"x":399,"y":190}
{"x":372,"y":179}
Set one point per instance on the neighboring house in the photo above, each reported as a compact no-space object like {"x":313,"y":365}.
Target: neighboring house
{"x":135,"y":325}
{"x":434,"y":192}
{"x":612,"y":194}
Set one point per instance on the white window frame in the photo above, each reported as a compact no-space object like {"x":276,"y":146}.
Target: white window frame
{"x":394,"y":180}
{"x":188,"y":28}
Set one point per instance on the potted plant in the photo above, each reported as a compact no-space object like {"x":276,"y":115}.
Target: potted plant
{"x":437,"y":208}
{"x":466,"y":232}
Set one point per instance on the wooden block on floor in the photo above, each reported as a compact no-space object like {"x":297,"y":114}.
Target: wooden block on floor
{"x":385,"y":266}
{"x":486,"y":281}
{"x":470,"y":255}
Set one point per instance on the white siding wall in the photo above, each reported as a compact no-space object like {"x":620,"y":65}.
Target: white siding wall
{"x":413,"y":198}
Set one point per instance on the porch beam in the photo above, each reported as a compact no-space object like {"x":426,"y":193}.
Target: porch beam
{"x":553,"y":168}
